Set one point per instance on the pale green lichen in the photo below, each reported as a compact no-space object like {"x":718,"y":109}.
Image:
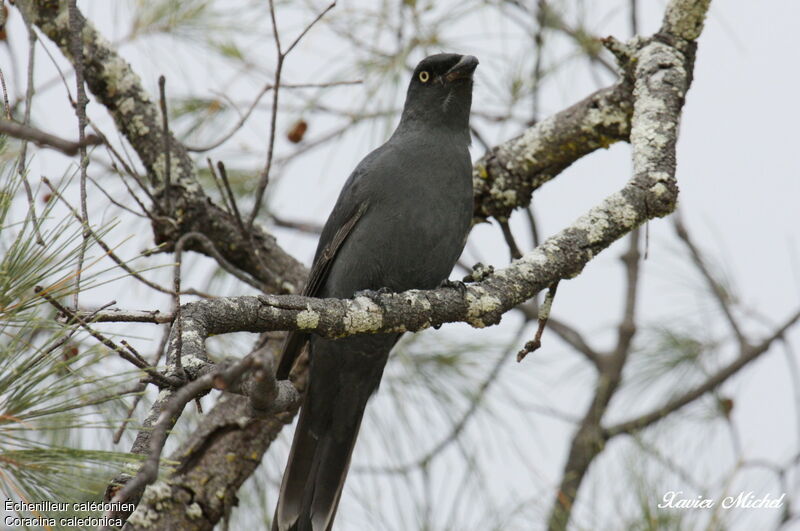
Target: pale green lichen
{"x":362,"y":315}
{"x":594,"y":223}
{"x":480,"y":303}
{"x":192,"y":362}
{"x":685,"y":18}
{"x":138,"y":126}
{"x":127,"y":106}
{"x":155,"y":495}
{"x":62,"y":19}
{"x":530,"y":144}
{"x":288,"y":287}
{"x":307,"y":319}
{"x":624,"y":214}
{"x":607,"y":116}
{"x":509,"y":197}
{"x":194,"y":511}
{"x":159,"y":492}
{"x":653,"y":125}
{"x":118,"y":76}
{"x":142,"y":517}
{"x":175,"y":169}
{"x":659,"y":189}
{"x":164,"y":394}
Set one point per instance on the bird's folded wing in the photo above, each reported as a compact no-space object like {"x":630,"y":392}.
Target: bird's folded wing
{"x":295,"y":341}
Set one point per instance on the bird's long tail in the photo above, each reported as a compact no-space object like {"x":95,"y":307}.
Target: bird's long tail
{"x":343,"y":374}
{"x":315,"y":474}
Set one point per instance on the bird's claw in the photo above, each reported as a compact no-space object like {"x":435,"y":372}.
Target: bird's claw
{"x":455,"y":284}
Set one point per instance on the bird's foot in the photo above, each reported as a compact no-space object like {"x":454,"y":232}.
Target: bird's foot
{"x":479,"y":272}
{"x":454,"y":284}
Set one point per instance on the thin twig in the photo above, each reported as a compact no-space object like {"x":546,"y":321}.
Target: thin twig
{"x":720,"y":293}
{"x":573,"y":338}
{"x":242,"y":120}
{"x":176,"y":303}
{"x":129,"y":415}
{"x":254,"y":104}
{"x":302,"y":226}
{"x":263,"y":178}
{"x":156,"y":358}
{"x":534,"y":227}
{"x":211,"y":249}
{"x":224,"y":176}
{"x":538,"y":43}
{"x":477,"y":135}
{"x":42,"y":139}
{"x":457,"y":428}
{"x":128,"y":316}
{"x":123,"y":353}
{"x":23,"y":153}
{"x":222,"y":194}
{"x":162,"y":81}
{"x":627,"y":326}
{"x":128,"y":169}
{"x":114,"y":201}
{"x":149,"y":470}
{"x":509,"y":237}
{"x":747,"y":354}
{"x":110,"y":252}
{"x":544,"y":315}
{"x":308,"y":27}
{"x":6,"y":106}
{"x":76,"y":48}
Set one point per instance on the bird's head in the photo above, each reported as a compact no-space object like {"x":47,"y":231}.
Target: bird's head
{"x":440,"y":92}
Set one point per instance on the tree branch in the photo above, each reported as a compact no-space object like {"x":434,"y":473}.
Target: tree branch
{"x":747,"y":354}
{"x":43,"y":139}
{"x":115,"y":85}
{"x":720,"y":293}
{"x":661,"y":67}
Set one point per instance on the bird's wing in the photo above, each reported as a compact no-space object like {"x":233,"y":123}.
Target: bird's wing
{"x":326,"y":253}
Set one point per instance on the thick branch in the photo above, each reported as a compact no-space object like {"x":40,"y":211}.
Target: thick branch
{"x":561,"y":256}
{"x":662,"y":72}
{"x":504,"y":178}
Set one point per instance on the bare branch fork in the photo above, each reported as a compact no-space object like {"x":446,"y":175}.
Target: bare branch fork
{"x":267,"y":397}
{"x":661,"y":71}
{"x":263,"y":178}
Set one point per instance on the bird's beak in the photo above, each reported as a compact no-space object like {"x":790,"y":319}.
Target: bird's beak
{"x":463,"y":69}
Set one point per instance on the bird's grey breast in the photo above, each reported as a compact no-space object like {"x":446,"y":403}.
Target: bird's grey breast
{"x":419,"y":197}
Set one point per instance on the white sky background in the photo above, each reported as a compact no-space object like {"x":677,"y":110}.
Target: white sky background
{"x":738,"y":172}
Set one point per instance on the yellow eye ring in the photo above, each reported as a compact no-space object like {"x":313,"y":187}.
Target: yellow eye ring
{"x":424,"y":76}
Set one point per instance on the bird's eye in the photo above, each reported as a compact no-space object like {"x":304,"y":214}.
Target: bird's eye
{"x":424,"y":76}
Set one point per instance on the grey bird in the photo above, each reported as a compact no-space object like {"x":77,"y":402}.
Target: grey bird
{"x":401,"y":222}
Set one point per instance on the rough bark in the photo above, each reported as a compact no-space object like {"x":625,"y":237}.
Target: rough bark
{"x":506,"y":176}
{"x":662,"y":72}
